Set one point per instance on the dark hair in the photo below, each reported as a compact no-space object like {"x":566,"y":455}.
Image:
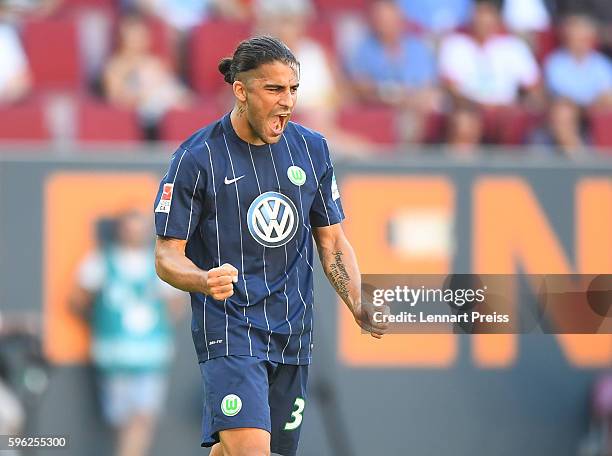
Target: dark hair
{"x":252,"y":53}
{"x":582,"y":14}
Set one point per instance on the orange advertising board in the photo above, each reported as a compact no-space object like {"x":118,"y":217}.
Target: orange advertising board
{"x":509,"y":229}
{"x":73,"y":202}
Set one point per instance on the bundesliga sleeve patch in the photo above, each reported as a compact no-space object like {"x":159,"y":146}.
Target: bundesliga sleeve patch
{"x":165,"y":200}
{"x":334,"y":188}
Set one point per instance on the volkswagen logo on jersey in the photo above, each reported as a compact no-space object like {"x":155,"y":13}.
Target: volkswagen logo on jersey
{"x":272,"y":219}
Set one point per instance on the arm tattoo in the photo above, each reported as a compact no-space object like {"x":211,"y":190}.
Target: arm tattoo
{"x":339,"y":276}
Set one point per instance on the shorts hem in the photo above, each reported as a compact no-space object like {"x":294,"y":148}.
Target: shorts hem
{"x":302,"y":361}
{"x":283,"y":452}
{"x":207,"y":443}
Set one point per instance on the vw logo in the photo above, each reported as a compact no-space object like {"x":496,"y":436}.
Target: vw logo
{"x":272,"y":219}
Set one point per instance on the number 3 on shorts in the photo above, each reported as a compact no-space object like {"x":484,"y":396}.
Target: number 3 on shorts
{"x":296,"y":415}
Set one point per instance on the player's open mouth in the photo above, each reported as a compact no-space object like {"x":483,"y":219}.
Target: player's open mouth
{"x":278,"y":123}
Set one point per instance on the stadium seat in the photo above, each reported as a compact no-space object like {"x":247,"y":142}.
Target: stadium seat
{"x":508,"y":126}
{"x":161,"y":42}
{"x":210,"y":42}
{"x":160,"y":35}
{"x":52,"y":49}
{"x":25,"y":121}
{"x":77,"y":4}
{"x":434,"y":128}
{"x":99,"y":121}
{"x":376,"y":123}
{"x":327,"y":7}
{"x":601,"y":133}
{"x":322,"y":31}
{"x":546,"y":41}
{"x":178,"y":125}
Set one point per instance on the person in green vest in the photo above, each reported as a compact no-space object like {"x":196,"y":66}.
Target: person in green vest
{"x":129,"y":311}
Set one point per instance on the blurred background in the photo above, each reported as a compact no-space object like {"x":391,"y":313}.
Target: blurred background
{"x":468,"y":137}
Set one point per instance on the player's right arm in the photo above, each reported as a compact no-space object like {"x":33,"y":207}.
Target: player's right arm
{"x":173,"y":267}
{"x":179,"y":202}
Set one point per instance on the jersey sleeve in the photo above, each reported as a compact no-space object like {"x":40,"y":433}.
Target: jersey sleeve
{"x":327,"y":208}
{"x":179,"y":199}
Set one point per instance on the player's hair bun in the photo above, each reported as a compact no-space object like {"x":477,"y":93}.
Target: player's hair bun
{"x":254,"y":52}
{"x":225,"y":67}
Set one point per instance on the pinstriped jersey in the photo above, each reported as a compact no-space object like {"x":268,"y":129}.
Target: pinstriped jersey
{"x":253,"y":207}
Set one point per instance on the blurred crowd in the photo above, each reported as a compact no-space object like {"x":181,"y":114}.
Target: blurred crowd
{"x":375,"y":74}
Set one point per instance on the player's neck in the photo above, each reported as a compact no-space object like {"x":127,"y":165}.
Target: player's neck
{"x":242,"y":127}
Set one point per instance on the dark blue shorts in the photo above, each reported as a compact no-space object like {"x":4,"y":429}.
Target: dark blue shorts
{"x":248,"y":392}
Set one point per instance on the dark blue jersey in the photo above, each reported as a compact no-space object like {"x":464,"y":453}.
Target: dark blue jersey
{"x":253,"y":207}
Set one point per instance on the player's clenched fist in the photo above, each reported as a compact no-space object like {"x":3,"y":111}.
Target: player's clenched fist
{"x":220,"y":281}
{"x":366,"y":316}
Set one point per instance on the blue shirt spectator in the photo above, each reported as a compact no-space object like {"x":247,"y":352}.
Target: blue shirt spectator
{"x":412,"y":65}
{"x":392,"y":68}
{"x":582,"y":81}
{"x":438,"y":15}
{"x":580,"y":78}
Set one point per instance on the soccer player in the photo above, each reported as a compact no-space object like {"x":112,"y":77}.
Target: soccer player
{"x":235,"y":217}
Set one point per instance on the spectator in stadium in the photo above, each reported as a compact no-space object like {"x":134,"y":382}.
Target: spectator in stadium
{"x":16,"y":10}
{"x":129,"y":311}
{"x":183,"y":15}
{"x":438,"y":16}
{"x":320,"y":92}
{"x":579,"y":79}
{"x":15,"y":79}
{"x":392,"y":68}
{"x":484,"y":71}
{"x":597,"y":9}
{"x":531,"y":20}
{"x":135,"y":78}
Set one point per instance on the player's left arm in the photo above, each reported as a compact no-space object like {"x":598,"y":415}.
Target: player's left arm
{"x":340,"y":265}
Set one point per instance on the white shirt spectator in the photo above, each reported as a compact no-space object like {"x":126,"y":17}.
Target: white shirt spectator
{"x":491,"y":72}
{"x":317,"y":85}
{"x":13,"y":61}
